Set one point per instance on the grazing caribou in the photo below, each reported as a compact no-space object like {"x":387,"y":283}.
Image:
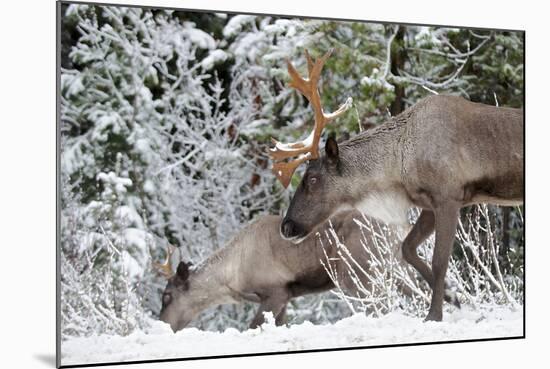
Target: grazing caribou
{"x":258,"y":266}
{"x":441,"y":154}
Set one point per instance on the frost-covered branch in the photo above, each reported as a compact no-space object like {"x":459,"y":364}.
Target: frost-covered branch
{"x":457,"y":54}
{"x":389,"y":283}
{"x":374,"y":279}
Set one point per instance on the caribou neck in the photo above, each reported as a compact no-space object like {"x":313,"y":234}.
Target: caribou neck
{"x":375,"y":155}
{"x":210,"y":284}
{"x":373,"y":160}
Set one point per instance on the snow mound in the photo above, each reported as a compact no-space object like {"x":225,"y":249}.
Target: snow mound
{"x":358,"y":330}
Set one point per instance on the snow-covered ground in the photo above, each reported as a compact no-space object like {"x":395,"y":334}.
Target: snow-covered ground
{"x":358,"y":330}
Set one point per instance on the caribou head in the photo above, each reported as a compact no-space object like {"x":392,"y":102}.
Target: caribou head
{"x":314,"y":188}
{"x":179,"y":300}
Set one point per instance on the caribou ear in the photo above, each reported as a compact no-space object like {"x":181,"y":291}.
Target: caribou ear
{"x":183,"y":271}
{"x":331,"y":150}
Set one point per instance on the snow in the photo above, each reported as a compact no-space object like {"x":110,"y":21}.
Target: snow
{"x":215,"y":57}
{"x":72,"y":83}
{"x":358,"y":330}
{"x":119,"y":183}
{"x":237,"y":23}
{"x":149,"y":187}
{"x":222,"y":154}
{"x":136,"y":237}
{"x":131,"y":266}
{"x":129,"y":216}
{"x":281,"y":26}
{"x":73,"y":9}
{"x":427,"y":36}
{"x":106,"y":122}
{"x":377,"y":80}
{"x":255,"y":127}
{"x":198,"y":37}
{"x":245,"y":47}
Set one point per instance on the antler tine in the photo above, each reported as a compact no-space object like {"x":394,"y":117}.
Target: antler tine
{"x":315,"y":72}
{"x":308,"y":88}
{"x":284,"y":170}
{"x":296,"y":81}
{"x":309,"y":63}
{"x":165,"y":268}
{"x":308,"y":148}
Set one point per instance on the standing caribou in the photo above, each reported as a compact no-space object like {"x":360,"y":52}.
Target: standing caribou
{"x":441,"y":154}
{"x":259,"y":266}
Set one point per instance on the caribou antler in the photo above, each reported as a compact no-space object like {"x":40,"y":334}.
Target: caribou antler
{"x":307,"y":149}
{"x":165,"y":268}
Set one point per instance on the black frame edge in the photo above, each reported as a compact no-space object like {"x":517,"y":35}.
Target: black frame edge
{"x":58,"y":185}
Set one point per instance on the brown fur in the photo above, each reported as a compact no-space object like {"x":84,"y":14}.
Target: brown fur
{"x":259,"y":266}
{"x":439,"y":155}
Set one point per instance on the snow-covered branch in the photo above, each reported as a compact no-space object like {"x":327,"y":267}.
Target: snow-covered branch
{"x":389,"y":283}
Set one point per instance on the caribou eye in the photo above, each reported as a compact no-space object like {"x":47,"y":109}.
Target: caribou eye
{"x":166,"y":298}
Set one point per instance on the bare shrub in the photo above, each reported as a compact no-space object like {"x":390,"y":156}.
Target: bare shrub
{"x":475,"y":271}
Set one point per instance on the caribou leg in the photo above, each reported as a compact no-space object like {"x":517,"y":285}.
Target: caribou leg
{"x":274,"y":302}
{"x":422,"y":229}
{"x":446,"y":218}
{"x":280,"y":319}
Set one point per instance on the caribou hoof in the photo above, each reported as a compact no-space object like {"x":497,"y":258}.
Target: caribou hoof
{"x":434,"y":317}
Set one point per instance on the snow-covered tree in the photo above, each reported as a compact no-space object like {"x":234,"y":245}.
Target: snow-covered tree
{"x":147,"y":143}
{"x":166,"y":118}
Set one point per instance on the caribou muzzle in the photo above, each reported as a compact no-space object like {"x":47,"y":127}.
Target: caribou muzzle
{"x":292,"y":231}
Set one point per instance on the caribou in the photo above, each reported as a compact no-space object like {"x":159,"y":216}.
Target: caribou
{"x":439,"y":155}
{"x":259,"y":266}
